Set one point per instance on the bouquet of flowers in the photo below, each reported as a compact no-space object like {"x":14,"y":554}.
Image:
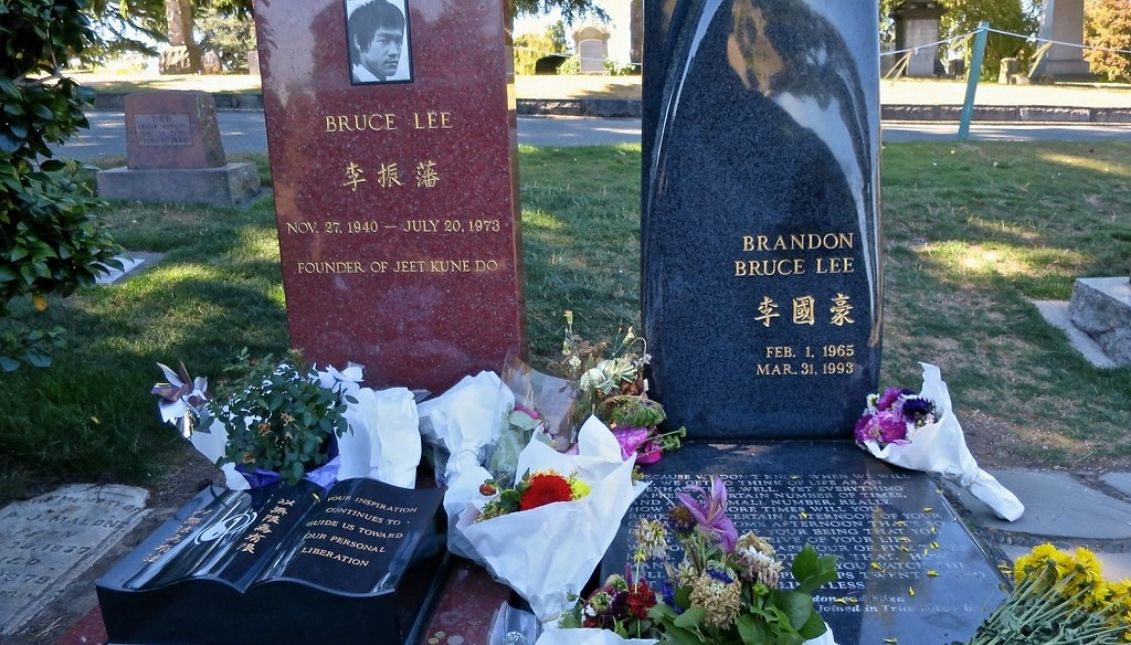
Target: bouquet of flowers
{"x":283,"y":420}
{"x":544,"y":537}
{"x":726,"y":589}
{"x":614,"y":389}
{"x":920,"y":432}
{"x":1060,"y":599}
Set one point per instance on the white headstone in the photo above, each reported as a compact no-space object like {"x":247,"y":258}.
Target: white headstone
{"x":49,"y":541}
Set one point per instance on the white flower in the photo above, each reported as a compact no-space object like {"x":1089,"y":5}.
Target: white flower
{"x":575,"y":362}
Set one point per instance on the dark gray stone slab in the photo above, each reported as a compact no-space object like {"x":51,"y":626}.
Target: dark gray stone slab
{"x":761,"y":280}
{"x":231,"y":184}
{"x":909,"y":570}
{"x":1101,"y":308}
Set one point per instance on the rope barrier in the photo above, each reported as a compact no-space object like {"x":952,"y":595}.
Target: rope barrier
{"x":1037,"y":39}
{"x":937,"y":42}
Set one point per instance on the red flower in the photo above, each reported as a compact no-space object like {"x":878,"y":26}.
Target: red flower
{"x":545,"y":488}
{"x":641,"y":598}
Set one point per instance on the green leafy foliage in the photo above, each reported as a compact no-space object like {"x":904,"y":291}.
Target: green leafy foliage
{"x":278,"y":418}
{"x":50,"y":244}
{"x":230,"y":36}
{"x":1107,"y":24}
{"x":1015,"y":16}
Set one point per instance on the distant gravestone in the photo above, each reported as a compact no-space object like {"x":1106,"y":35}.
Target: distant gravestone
{"x":592,"y":44}
{"x":917,"y":30}
{"x":49,"y":541}
{"x":761,"y":279}
{"x":210,"y":63}
{"x":174,"y":154}
{"x":393,"y":164}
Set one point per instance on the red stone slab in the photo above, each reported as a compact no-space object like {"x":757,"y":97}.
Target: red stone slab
{"x":396,"y":202}
{"x":172,"y":130}
{"x":466,"y":607}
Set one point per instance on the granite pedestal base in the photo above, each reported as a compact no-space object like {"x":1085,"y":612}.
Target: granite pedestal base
{"x":227,"y":185}
{"x":1101,"y":308}
{"x":909,"y":570}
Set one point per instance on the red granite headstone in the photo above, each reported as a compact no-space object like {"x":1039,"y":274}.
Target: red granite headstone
{"x":395,"y":189}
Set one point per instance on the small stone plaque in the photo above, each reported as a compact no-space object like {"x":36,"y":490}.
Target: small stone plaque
{"x":282,"y":564}
{"x":163,"y":130}
{"x":908,"y":568}
{"x":172,"y":131}
{"x":49,"y":541}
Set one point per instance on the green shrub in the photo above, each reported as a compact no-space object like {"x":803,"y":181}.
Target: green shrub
{"x":50,"y":243}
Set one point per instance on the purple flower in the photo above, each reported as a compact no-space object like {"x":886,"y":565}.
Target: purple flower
{"x":630,"y":440}
{"x":710,"y":512}
{"x":918,"y":410}
{"x":890,"y":396}
{"x":861,"y":429}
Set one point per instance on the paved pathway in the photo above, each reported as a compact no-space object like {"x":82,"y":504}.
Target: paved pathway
{"x":243,"y":132}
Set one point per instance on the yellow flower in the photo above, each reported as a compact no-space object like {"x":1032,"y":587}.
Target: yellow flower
{"x":580,"y":488}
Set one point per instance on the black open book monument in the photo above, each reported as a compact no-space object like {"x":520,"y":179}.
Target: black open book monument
{"x":762,"y":289}
{"x":283,"y":564}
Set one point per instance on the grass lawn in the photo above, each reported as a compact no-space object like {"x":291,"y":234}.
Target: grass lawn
{"x":972,"y":232}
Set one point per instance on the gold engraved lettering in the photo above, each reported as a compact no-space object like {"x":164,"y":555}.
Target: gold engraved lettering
{"x":835,"y":265}
{"x":779,"y":351}
{"x":804,"y":310}
{"x":375,"y":122}
{"x":768,"y":310}
{"x":753,"y":268}
{"x":841,"y":310}
{"x":353,"y":176}
{"x":426,"y":175}
{"x":799,"y":242}
{"x":388,"y":175}
{"x":421,"y":226}
{"x":300,"y":227}
{"x":432,"y":120}
{"x":330,"y":267}
{"x":775,"y":369}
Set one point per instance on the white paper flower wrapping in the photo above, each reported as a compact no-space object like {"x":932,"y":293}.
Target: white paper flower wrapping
{"x":548,"y":552}
{"x":553,"y":635}
{"x":940,"y":448}
{"x":384,"y":438}
{"x":465,"y":420}
{"x":212,"y":444}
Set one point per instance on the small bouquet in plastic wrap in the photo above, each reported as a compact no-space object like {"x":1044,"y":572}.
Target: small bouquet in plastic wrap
{"x":725,"y":589}
{"x":610,"y":382}
{"x":462,"y":425}
{"x":919,"y":431}
{"x":283,"y":420}
{"x":544,"y":537}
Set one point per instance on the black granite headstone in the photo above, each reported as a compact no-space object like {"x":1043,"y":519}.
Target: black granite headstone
{"x":909,"y":571}
{"x":761,"y":279}
{"x":360,"y":563}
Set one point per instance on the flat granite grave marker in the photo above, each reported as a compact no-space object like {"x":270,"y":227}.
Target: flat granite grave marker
{"x":908,"y":568}
{"x":49,"y":541}
{"x":174,"y":154}
{"x":283,"y":564}
{"x":395,"y":184}
{"x":762,"y":307}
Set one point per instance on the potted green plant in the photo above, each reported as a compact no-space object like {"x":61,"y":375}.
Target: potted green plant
{"x":279,"y":420}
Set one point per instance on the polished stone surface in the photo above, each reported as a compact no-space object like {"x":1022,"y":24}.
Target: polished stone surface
{"x":396,"y":202}
{"x":909,"y":570}
{"x":51,"y":540}
{"x":172,"y":130}
{"x":761,"y":280}
{"x":282,"y":564}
